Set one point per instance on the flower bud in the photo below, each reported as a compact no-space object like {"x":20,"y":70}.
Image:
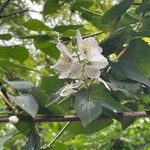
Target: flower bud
{"x":13,"y":119}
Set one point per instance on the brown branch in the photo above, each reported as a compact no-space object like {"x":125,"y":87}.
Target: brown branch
{"x":46,"y":118}
{"x":5,"y":98}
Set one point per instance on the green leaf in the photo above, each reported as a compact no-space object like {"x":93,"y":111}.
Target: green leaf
{"x":128,"y":19}
{"x":16,"y":52}
{"x":42,"y":99}
{"x":116,"y":41}
{"x":6,"y":137}
{"x":50,"y":7}
{"x":50,"y":84}
{"x":21,"y":86}
{"x":58,"y":145}
{"x":93,"y":18}
{"x":33,"y":142}
{"x":126,"y":87}
{"x":46,"y":46}
{"x":145,"y":23}
{"x":24,"y":127}
{"x":27,"y":103}
{"x":54,"y":97}
{"x":145,"y":7}
{"x":87,"y":110}
{"x":116,"y":11}
{"x":11,"y":65}
{"x":6,"y":37}
{"x":77,"y":128}
{"x":77,"y":5}
{"x":127,"y":121}
{"x":138,"y":53}
{"x":131,"y":72}
{"x":64,"y":28}
{"x":105,"y":99}
{"x":143,"y":33}
{"x":36,"y":25}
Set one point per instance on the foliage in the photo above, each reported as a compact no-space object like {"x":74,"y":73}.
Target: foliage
{"x":47,"y":69}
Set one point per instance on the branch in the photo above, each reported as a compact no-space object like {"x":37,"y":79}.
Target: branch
{"x":67,"y":118}
{"x":19,"y":12}
{"x":3,"y":6}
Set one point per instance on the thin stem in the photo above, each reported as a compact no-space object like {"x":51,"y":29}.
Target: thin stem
{"x":6,"y":101}
{"x":94,"y":34}
{"x":121,"y":53}
{"x":57,"y":136}
{"x":19,"y":12}
{"x":88,"y":90}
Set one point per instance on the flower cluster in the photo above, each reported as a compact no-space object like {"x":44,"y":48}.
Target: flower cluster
{"x":86,"y":62}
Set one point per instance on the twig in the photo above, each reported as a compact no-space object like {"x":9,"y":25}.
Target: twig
{"x":115,"y":25}
{"x":67,"y":118}
{"x":7,"y":102}
{"x":57,"y":136}
{"x":121,"y":53}
{"x":19,"y":12}
{"x":94,"y":34}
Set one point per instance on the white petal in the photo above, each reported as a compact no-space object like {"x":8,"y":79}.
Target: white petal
{"x":91,"y":72}
{"x":62,"y":64}
{"x":79,"y":40}
{"x":63,"y":49}
{"x":64,"y":75}
{"x":75,"y":71}
{"x":90,"y":49}
{"x":105,"y":84}
{"x":102,"y":63}
{"x":94,"y":44}
{"x":93,"y":55}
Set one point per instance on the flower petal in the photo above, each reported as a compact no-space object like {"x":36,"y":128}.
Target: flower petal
{"x":64,"y":75}
{"x":79,"y":40}
{"x":102,"y":63}
{"x":93,"y":43}
{"x":63,"y":49}
{"x":62,"y":64}
{"x":91,"y":71}
{"x":75,"y":71}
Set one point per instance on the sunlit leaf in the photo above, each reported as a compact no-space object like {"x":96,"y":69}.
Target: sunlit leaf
{"x":116,"y":11}
{"x":36,"y":25}
{"x":16,"y":52}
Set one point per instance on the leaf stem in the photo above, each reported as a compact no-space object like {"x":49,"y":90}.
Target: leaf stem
{"x":57,"y":136}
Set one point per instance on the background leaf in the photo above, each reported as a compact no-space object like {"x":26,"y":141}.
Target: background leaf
{"x":50,"y":7}
{"x":36,"y":25}
{"x":16,"y":52}
{"x":116,"y":11}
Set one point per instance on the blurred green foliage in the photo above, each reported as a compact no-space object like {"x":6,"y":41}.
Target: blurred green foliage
{"x":29,"y":30}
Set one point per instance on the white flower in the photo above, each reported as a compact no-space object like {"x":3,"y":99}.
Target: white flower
{"x":90,"y":50}
{"x":67,"y":65}
{"x":13,"y":119}
{"x":69,"y":89}
{"x":91,"y":71}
